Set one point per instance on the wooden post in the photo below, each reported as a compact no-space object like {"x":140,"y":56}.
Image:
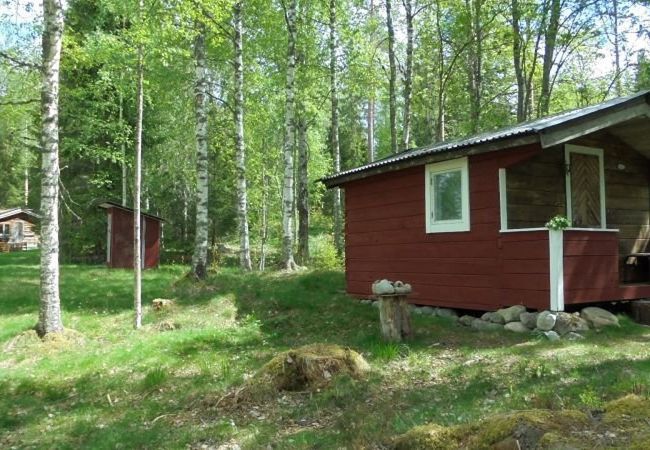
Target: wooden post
{"x":395,"y":317}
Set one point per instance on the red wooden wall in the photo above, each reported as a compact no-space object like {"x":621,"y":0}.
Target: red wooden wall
{"x":591,"y":269}
{"x":480,"y":269}
{"x":122,"y":240}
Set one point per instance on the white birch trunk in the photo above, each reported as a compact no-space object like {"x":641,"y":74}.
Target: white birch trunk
{"x":393,"y":78}
{"x":200,"y":256}
{"x":137,"y":187}
{"x":123,"y":145}
{"x":336,"y":151}
{"x":303,"y":193}
{"x":408,"y":75}
{"x":242,"y":200}
{"x":49,"y":318}
{"x":289,"y":142}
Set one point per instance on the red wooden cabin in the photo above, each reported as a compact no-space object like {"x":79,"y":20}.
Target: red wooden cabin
{"x":464,"y":221}
{"x":119,"y":247}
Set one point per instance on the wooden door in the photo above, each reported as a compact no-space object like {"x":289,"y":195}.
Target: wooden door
{"x":585,"y":193}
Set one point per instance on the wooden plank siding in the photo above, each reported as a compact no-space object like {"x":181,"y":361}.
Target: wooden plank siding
{"x":480,"y":269}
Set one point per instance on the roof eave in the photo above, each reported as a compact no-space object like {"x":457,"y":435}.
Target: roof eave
{"x":501,"y":144}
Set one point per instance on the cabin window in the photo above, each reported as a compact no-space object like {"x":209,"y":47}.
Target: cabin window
{"x":447,"y":196}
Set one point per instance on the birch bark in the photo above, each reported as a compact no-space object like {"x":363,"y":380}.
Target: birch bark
{"x":242,"y":200}
{"x":303,"y":192}
{"x":137,"y":188}
{"x":49,"y":317}
{"x":408,"y":75}
{"x":200,"y":256}
{"x":392,"y":81}
{"x":289,"y":142}
{"x":334,"y":130}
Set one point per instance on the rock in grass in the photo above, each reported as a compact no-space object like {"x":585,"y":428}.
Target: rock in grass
{"x":567,"y":323}
{"x":572,"y":336}
{"x":482,"y":325}
{"x":466,"y":320}
{"x":512,"y":313}
{"x":546,"y":320}
{"x":427,"y":310}
{"x":159,"y":304}
{"x":529,"y":319}
{"x":552,"y":335}
{"x":493,"y":317}
{"x":517,"y":327}
{"x":305,"y":368}
{"x":599,"y":317}
{"x":446,"y":312}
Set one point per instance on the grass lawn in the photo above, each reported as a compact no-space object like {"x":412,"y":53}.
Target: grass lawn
{"x":120,"y":388}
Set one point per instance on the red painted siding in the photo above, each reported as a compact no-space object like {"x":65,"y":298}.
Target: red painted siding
{"x":122,"y":240}
{"x":479,"y":269}
{"x":591,"y":269}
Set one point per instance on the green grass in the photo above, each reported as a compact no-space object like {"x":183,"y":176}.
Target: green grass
{"x":118,"y":387}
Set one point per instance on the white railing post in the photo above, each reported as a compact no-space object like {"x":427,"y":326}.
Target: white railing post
{"x":556,"y":266}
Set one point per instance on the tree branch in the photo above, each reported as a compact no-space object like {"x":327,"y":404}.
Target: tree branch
{"x":19,"y":102}
{"x":18,"y":62}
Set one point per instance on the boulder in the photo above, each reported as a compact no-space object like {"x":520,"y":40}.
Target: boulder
{"x":159,"y":304}
{"x":511,"y":314}
{"x":402,"y":288}
{"x":366,"y":301}
{"x":446,"y":312}
{"x":552,"y":335}
{"x":428,"y":310}
{"x":383,"y":287}
{"x":482,"y":325}
{"x":599,"y":317}
{"x":416,"y":310}
{"x":546,"y":320}
{"x":567,"y":323}
{"x":517,"y":327}
{"x":574,"y":336}
{"x":529,"y":319}
{"x":466,"y":320}
{"x":493,"y":317}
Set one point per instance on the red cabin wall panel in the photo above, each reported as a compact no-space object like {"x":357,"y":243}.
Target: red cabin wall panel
{"x":122,"y":240}
{"x":152,"y":243}
{"x":386,"y":238}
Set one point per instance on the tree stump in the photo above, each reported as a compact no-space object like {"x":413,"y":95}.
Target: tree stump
{"x":641,"y":311}
{"x":395,"y":317}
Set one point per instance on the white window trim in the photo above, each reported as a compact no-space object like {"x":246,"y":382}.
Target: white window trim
{"x":503,"y":199}
{"x":447,"y":226}
{"x":568,"y":149}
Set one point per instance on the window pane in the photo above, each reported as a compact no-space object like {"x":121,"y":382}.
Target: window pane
{"x":448,"y":196}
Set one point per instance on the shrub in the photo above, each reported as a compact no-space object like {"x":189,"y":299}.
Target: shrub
{"x":323,"y":253}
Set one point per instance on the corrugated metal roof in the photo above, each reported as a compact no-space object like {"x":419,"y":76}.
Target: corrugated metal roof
{"x":521,"y":129}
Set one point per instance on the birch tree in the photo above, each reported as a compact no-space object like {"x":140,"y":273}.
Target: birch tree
{"x":49,"y":318}
{"x":392,"y":79}
{"x":302,"y":203}
{"x":137,"y":186}
{"x":334,"y":129}
{"x":200,"y":256}
{"x":289,"y":140}
{"x":242,"y":201}
{"x":408,"y":73}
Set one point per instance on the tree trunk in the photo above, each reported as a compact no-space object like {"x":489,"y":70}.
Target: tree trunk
{"x":123,"y":145}
{"x":303,"y":193}
{"x":289,"y":141}
{"x":265,"y":220}
{"x":475,"y":63}
{"x":137,"y":187}
{"x":242,"y":200}
{"x":200,"y":256}
{"x":617,"y":50}
{"x":371,"y":156}
{"x":392,"y":78}
{"x":408,"y":75}
{"x":334,"y":130}
{"x":518,"y":62}
{"x":26,"y":187}
{"x":49,"y":317}
{"x":550,"y":37}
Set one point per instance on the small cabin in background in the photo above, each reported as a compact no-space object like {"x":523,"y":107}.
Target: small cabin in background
{"x":119,"y":235}
{"x":18,"y":229}
{"x":464,"y":221}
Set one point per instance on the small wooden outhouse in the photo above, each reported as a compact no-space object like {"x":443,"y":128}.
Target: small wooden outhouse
{"x":119,"y":235}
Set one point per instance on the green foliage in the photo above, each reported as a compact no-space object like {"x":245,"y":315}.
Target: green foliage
{"x":558,"y":223}
{"x":323,"y":253}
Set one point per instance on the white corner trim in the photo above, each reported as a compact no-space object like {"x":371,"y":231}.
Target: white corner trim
{"x":570,"y":148}
{"x":447,"y":226}
{"x":556,"y":269}
{"x":503,"y":199}
{"x":109,"y":237}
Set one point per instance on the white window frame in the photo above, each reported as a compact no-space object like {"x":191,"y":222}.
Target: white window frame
{"x":568,"y":149}
{"x":447,"y":226}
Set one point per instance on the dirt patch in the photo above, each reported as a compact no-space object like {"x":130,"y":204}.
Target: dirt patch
{"x":167,"y":325}
{"x":624,"y":424}
{"x":305,"y":368}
